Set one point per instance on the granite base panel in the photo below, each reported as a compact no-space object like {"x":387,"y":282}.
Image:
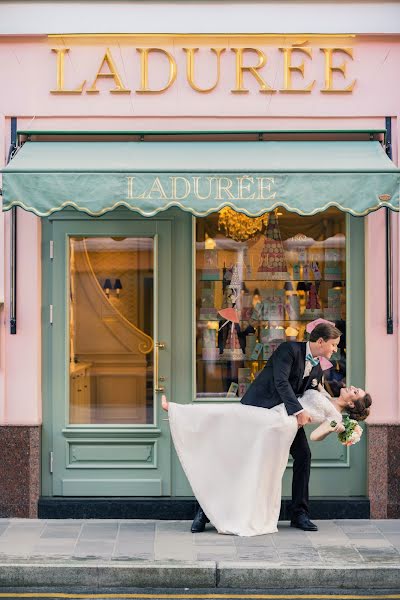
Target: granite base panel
{"x":19,"y":471}
{"x":384,"y":470}
{"x":182,"y":508}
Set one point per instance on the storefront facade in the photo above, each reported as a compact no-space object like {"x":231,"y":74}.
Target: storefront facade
{"x":135,"y":276}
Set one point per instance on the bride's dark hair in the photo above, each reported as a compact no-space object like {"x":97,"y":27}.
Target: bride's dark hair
{"x":361,"y":408}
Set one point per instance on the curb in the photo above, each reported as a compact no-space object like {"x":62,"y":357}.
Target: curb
{"x":254,"y":575}
{"x":78,"y":574}
{"x":239,"y":575}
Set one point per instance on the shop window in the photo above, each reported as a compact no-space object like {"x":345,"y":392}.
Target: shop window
{"x":261,"y":281}
{"x":111,"y":330}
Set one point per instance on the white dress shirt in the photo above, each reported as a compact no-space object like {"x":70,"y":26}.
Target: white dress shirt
{"x":307,"y":370}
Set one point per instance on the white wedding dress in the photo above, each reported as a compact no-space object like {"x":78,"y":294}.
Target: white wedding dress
{"x":234,"y":457}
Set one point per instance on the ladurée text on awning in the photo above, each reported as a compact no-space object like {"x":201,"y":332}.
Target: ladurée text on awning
{"x":202,"y":187}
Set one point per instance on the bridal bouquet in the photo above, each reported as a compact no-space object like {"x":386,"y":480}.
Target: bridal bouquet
{"x":352,"y":433}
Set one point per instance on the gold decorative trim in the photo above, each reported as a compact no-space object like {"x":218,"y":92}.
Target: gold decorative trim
{"x":196,"y":212}
{"x":200,"y":35}
{"x":147,"y":345}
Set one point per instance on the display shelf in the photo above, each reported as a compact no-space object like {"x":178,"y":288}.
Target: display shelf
{"x":259,"y":321}
{"x":294,"y":281}
{"x":229,"y":360}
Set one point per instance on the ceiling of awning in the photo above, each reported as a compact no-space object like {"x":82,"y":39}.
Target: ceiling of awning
{"x":305,"y":177}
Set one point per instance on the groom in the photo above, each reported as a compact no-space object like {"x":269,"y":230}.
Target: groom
{"x":292,"y":369}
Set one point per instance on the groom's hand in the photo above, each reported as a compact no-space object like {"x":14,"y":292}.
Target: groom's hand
{"x":303,"y":418}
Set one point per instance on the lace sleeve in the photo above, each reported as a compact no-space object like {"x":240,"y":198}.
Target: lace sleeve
{"x":319,"y":407}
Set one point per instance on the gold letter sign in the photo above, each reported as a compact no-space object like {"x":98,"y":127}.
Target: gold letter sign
{"x":292,"y":64}
{"x":60,"y":74}
{"x":111,"y":74}
{"x":329,"y":70}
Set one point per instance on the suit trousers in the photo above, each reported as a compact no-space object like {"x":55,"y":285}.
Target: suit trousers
{"x":301,"y":454}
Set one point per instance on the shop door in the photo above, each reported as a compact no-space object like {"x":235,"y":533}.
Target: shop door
{"x":110,"y":357}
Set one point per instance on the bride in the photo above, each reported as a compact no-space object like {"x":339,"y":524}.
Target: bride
{"x":234,"y":455}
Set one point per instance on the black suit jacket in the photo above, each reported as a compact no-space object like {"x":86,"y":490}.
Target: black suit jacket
{"x":281,"y":380}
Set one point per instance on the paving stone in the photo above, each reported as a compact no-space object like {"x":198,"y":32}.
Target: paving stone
{"x":393,"y":538}
{"x":149,"y":556}
{"x":339,"y":555}
{"x":92,"y":549}
{"x":13,"y":548}
{"x":257,"y":541}
{"x":298,"y":556}
{"x":63,"y":531}
{"x":268,"y":554}
{"x":134,"y":547}
{"x":352,"y":522}
{"x":3,"y":526}
{"x":204,"y":556}
{"x":371,"y":535}
{"x":99,"y":531}
{"x":21,"y":533}
{"x":388,"y":525}
{"x":53,"y":548}
{"x":180,"y":553}
{"x":137,"y":528}
{"x":214,"y":539}
{"x":371,"y":543}
{"x":173,"y":526}
{"x":380,"y":555}
{"x":288,"y":541}
{"x":332,"y":542}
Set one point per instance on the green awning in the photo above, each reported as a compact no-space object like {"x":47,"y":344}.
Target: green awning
{"x":201,"y":177}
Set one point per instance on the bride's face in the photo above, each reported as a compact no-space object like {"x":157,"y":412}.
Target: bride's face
{"x":350,"y":394}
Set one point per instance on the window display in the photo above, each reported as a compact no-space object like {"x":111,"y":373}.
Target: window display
{"x":259,"y":282}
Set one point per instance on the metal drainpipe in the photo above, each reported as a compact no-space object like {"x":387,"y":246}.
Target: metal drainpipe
{"x":389,"y":253}
{"x":13,"y":241}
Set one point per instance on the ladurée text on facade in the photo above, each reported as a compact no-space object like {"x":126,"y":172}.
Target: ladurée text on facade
{"x":295,"y":70}
{"x":200,"y":187}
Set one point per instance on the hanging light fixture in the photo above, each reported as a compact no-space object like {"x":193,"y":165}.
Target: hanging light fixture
{"x":117,"y":286}
{"x":107,"y":286}
{"x":238,"y":226}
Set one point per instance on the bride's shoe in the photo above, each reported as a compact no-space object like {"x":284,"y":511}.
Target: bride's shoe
{"x":164,"y":402}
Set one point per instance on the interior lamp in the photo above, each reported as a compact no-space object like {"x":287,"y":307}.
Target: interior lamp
{"x":107,"y":287}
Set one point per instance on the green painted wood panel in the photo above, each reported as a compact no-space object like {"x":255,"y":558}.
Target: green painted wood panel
{"x":337,"y":471}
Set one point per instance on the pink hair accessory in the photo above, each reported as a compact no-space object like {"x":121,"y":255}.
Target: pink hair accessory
{"x":325,"y":364}
{"x":313,"y":324}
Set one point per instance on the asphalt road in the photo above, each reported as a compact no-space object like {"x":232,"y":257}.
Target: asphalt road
{"x":157,"y":594}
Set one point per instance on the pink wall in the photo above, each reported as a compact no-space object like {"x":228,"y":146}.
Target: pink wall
{"x":27,"y":72}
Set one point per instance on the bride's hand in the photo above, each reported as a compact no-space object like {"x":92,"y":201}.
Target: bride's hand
{"x":339,"y":428}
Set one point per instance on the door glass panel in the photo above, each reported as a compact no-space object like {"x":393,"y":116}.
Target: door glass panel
{"x":111,"y":330}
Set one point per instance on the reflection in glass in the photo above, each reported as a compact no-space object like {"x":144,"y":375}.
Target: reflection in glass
{"x":111,"y":330}
{"x":258,"y":285}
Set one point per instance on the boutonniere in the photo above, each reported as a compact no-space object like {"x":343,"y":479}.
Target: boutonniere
{"x":314,"y":383}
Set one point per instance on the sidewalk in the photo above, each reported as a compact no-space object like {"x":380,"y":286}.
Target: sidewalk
{"x":352,"y":554}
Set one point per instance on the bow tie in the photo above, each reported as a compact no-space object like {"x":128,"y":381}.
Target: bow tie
{"x":312,"y":360}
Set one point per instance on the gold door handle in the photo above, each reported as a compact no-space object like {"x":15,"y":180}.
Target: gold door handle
{"x":157,"y":347}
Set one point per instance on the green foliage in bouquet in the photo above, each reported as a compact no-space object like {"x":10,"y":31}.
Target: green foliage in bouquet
{"x":352,"y":433}
{"x":350,"y":425}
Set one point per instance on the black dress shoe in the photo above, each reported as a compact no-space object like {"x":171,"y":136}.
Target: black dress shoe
{"x":303,"y":522}
{"x":199,"y":522}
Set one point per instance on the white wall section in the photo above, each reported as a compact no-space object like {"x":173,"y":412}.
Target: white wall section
{"x":41,"y":18}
